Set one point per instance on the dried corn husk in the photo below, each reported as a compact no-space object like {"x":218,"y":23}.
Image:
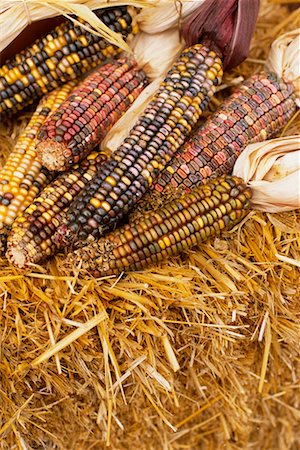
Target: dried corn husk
{"x":284,"y":59}
{"x":155,"y":53}
{"x":120,"y":130}
{"x":166,"y":15}
{"x":272,"y":170}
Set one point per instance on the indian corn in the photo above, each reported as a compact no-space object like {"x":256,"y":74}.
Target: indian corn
{"x":31,"y":236}
{"x":256,"y":111}
{"x":166,"y":232}
{"x":62,"y":55}
{"x":89,"y":112}
{"x":22,"y":177}
{"x":158,"y":133}
{"x":167,"y":121}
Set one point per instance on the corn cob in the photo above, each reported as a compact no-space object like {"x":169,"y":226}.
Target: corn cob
{"x":79,"y":124}
{"x":257,"y":111}
{"x":158,"y":133}
{"x":31,"y":236}
{"x":166,"y":232}
{"x":62,"y":55}
{"x":23,"y":177}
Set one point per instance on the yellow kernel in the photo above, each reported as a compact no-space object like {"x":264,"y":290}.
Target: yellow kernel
{"x":25,"y":81}
{"x":68,"y":196}
{"x":111,"y":181}
{"x":170,"y":169}
{"x":75,"y":57}
{"x":22,"y":219}
{"x":72,"y":35}
{"x":51,"y":45}
{"x":263,"y":134}
{"x":128,"y":235}
{"x":44,"y":245}
{"x":47,"y":216}
{"x":18,"y":98}
{"x":62,"y":40}
{"x":8,"y":103}
{"x":35,"y":74}
{"x":126,"y":181}
{"x":210,"y":75}
{"x":221,"y":224}
{"x":123,"y":23}
{"x":50,"y":64}
{"x":95,"y":202}
{"x":135,"y":28}
{"x":167,"y":241}
{"x":106,"y":206}
{"x":114,"y":196}
{"x":161,"y":244}
{"x":172,"y":140}
{"x":217,"y":66}
{"x":110,"y":49}
{"x":83,"y":41}
{"x":200,"y":222}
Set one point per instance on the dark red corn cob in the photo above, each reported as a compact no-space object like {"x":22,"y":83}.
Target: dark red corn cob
{"x":257,"y":111}
{"x":31,"y":237}
{"x":89,"y":112}
{"x":177,"y":226}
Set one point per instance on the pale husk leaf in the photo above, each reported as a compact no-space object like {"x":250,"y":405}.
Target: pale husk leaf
{"x":121,"y":129}
{"x":284,"y":59}
{"x":155,"y":53}
{"x":166,"y":15}
{"x":272,"y":170}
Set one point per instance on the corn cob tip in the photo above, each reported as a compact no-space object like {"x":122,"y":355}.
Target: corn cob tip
{"x":18,"y":254}
{"x":52,"y":154}
{"x":90,"y":258}
{"x":67,"y":235}
{"x":155,"y":199}
{"x":92,"y":108}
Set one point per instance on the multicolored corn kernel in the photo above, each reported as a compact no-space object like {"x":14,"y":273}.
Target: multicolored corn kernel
{"x":178,"y":226}
{"x":88,"y":113}
{"x":22,"y":177}
{"x":152,"y":141}
{"x":62,"y":55}
{"x":256,"y":111}
{"x":31,"y":236}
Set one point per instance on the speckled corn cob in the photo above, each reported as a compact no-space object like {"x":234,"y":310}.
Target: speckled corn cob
{"x":62,"y":55}
{"x":257,"y":110}
{"x":158,"y":133}
{"x":31,"y":236}
{"x":88,"y":113}
{"x":173,"y":229}
{"x":22,"y":177}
